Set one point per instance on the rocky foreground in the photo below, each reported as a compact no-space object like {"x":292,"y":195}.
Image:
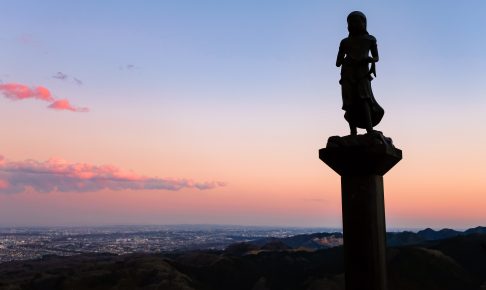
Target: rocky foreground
{"x":457,"y":263}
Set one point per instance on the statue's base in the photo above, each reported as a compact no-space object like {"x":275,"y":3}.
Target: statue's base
{"x":362,"y":160}
{"x":360,"y":154}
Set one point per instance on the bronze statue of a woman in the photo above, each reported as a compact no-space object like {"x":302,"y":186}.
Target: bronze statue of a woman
{"x":362,"y":110}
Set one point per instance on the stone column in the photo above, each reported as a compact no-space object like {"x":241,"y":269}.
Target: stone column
{"x":361,"y":161}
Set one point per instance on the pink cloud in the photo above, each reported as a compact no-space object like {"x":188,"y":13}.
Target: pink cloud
{"x":60,"y":175}
{"x":27,"y":39}
{"x":64,"y":104}
{"x":3,"y":184}
{"x":16,"y":91}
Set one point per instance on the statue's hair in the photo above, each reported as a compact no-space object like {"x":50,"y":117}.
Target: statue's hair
{"x":360,"y":15}
{"x":357,"y":14}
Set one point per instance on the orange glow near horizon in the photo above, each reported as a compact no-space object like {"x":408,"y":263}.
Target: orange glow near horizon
{"x":216,"y":114}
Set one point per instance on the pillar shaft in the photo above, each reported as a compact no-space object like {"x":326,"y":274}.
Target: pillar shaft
{"x":364,"y":232}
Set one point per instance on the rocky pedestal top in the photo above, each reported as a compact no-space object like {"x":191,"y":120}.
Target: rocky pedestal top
{"x":368,"y":154}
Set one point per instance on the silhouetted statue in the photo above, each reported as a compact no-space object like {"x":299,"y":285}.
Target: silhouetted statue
{"x":362,"y":110}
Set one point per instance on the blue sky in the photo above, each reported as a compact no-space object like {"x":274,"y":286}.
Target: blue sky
{"x":246,"y":92}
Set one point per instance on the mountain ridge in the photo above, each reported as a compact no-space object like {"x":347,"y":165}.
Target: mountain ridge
{"x":316,"y":241}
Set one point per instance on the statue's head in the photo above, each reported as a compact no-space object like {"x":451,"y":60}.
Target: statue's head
{"x":356,"y":23}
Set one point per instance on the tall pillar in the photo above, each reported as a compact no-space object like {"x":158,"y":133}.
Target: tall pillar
{"x":361,"y":161}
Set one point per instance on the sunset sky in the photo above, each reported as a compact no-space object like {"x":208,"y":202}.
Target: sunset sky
{"x":198,"y":112}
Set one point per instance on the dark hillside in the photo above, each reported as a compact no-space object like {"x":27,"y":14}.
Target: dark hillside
{"x":452,"y":264}
{"x":468,"y":251}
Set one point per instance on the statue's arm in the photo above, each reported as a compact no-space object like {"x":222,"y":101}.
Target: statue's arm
{"x":340,"y":56}
{"x":374,"y":52}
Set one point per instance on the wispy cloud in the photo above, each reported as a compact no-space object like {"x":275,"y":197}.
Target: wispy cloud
{"x":16,"y":91}
{"x":78,"y":81}
{"x":314,"y":199}
{"x":27,"y":39}
{"x":128,"y":67}
{"x":60,"y":76}
{"x":65,"y":77}
{"x":59,"y":175}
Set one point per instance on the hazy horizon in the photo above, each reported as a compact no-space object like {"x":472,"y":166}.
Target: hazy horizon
{"x":317,"y":228}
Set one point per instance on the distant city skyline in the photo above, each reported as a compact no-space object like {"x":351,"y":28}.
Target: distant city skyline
{"x":170,"y":112}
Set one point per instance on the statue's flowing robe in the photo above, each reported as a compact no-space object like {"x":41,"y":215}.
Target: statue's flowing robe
{"x":356,"y":80}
